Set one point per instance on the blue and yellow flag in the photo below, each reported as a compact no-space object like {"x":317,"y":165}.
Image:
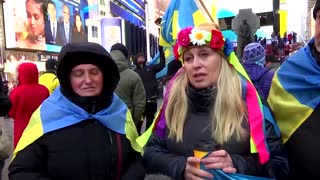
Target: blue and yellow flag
{"x":179,"y":15}
{"x":58,"y":112}
{"x":295,"y":91}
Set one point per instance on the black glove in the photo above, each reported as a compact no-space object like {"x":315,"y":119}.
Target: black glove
{"x":160,"y":48}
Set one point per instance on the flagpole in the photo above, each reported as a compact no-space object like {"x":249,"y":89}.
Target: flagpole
{"x":147,"y":30}
{"x":206,"y":10}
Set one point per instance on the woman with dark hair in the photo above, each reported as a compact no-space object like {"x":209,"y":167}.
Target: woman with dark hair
{"x":36,"y":26}
{"x":78,"y":33}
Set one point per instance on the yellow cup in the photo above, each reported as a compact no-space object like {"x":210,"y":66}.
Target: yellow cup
{"x":199,"y":154}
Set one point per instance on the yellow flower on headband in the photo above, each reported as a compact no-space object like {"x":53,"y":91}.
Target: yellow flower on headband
{"x":199,"y":36}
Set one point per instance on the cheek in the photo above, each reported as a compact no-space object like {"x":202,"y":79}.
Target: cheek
{"x":189,"y":72}
{"x":74,"y":83}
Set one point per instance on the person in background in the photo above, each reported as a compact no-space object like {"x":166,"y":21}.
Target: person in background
{"x":130,"y":87}
{"x":272,"y":62}
{"x":83,"y":131}
{"x":5,"y":105}
{"x":25,"y":98}
{"x":51,"y":25}
{"x":206,"y":104}
{"x":49,"y":78}
{"x":254,"y":57}
{"x":65,"y":27}
{"x":78,"y":33}
{"x":294,"y":98}
{"x":148,"y":76}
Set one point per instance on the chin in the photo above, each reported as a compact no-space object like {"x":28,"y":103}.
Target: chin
{"x":200,"y":86}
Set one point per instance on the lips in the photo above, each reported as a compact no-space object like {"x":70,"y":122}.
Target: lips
{"x":199,"y":76}
{"x":88,"y":88}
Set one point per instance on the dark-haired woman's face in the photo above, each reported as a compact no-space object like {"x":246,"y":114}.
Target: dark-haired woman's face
{"x":78,"y":22}
{"x":86,"y":80}
{"x":35,"y":18}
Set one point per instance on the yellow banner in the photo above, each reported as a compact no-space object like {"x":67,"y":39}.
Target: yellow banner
{"x":283,"y":22}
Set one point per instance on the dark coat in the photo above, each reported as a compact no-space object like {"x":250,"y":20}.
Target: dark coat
{"x":303,"y":146}
{"x":166,"y":156}
{"x":85,"y":151}
{"x":148,"y":75}
{"x":5,"y":103}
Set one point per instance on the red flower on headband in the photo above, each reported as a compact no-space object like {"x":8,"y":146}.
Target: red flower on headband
{"x":183,"y":37}
{"x":217,"y":41}
{"x":176,"y":51}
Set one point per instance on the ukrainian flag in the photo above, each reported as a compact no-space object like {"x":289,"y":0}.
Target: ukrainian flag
{"x":179,"y":15}
{"x":295,"y":91}
{"x":58,"y":112}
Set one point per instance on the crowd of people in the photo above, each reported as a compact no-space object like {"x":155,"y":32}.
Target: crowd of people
{"x":220,"y":118}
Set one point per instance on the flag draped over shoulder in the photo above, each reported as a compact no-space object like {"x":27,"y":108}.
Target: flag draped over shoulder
{"x":180,"y":14}
{"x":257,"y":113}
{"x":58,"y":112}
{"x":295,"y":91}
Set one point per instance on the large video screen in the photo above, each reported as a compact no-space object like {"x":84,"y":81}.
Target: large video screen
{"x":45,"y":24}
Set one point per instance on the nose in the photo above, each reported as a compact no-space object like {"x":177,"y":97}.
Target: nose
{"x":196,"y":63}
{"x":33,"y":21}
{"x":88,"y":79}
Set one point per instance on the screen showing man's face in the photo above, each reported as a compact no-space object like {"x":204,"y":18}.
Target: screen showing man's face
{"x":66,"y":14}
{"x":52,"y":11}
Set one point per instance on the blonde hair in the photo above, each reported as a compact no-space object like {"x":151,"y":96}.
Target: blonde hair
{"x":226,"y":114}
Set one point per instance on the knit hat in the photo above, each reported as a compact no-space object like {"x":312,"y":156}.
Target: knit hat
{"x":74,"y":54}
{"x":316,"y":9}
{"x":254,"y":52}
{"x":120,"y":47}
{"x":51,"y":64}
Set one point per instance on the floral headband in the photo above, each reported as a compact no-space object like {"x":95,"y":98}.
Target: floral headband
{"x":198,"y":37}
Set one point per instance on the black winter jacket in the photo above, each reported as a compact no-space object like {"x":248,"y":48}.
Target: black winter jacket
{"x":166,"y":156}
{"x":148,"y":75}
{"x":5,"y":103}
{"x":87,"y":151}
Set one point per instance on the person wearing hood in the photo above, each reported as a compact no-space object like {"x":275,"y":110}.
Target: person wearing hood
{"x":254,"y":56}
{"x":148,"y":76}
{"x":130,"y":87}
{"x":49,"y":78}
{"x":25,"y":98}
{"x":83,"y":131}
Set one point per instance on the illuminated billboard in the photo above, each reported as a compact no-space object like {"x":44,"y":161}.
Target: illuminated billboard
{"x":45,"y":24}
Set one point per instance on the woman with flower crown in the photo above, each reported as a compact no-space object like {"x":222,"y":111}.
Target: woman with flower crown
{"x":212,"y":103}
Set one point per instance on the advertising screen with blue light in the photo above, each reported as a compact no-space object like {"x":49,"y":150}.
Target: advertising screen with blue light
{"x":46,"y":25}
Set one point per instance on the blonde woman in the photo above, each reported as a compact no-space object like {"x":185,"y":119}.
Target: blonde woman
{"x":211,"y":102}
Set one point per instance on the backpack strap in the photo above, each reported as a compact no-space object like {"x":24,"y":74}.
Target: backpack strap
{"x":119,"y":161}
